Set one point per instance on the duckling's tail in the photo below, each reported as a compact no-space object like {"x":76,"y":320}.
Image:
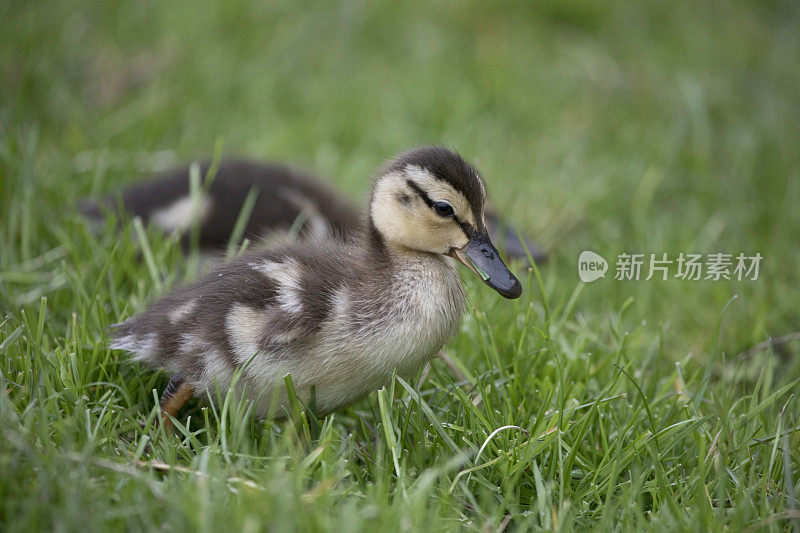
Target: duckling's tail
{"x":142,"y":344}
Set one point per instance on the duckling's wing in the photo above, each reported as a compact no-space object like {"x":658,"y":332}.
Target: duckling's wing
{"x":263,"y":305}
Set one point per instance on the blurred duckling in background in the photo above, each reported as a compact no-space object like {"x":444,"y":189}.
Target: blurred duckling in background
{"x":288,"y":203}
{"x":338,"y":315}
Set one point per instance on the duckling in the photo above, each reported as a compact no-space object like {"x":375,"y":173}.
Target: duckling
{"x":286,"y":198}
{"x":337,"y":315}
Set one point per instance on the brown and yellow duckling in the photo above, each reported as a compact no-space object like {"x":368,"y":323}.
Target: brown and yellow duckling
{"x":337,"y":315}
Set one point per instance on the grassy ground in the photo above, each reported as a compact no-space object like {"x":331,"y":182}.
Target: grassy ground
{"x":617,"y":127}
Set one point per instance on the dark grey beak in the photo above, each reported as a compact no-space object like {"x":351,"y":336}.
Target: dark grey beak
{"x":480,"y":256}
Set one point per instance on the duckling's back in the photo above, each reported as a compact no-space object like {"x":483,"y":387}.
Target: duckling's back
{"x":284,"y":196}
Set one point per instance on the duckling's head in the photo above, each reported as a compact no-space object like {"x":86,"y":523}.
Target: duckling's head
{"x":431,"y":200}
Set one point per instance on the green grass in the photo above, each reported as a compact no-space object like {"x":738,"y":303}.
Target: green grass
{"x":617,"y":127}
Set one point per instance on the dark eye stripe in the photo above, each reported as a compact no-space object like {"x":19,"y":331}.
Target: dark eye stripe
{"x":422,"y":194}
{"x":465,"y":226}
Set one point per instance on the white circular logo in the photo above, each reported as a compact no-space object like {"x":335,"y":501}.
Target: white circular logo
{"x":591,"y":266}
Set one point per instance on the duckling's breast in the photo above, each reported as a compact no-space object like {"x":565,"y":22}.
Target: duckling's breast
{"x":377,"y":326}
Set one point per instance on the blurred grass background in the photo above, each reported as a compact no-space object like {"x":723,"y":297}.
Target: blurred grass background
{"x":618,"y":127}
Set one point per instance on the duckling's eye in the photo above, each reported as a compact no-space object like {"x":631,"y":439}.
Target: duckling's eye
{"x":443,"y":209}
